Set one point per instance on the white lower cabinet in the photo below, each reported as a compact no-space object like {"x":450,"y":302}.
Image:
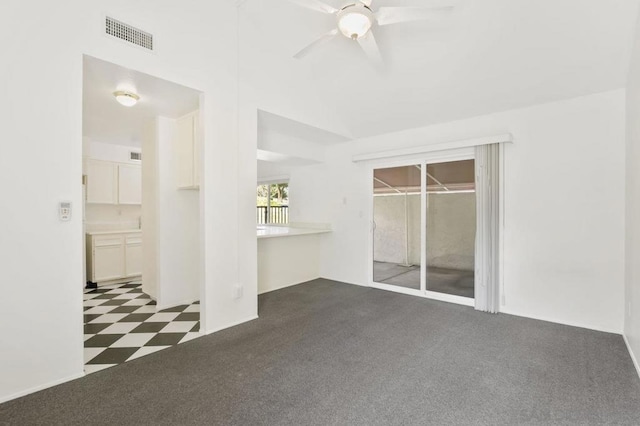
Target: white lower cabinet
{"x":113,"y":256}
{"x":133,"y":255}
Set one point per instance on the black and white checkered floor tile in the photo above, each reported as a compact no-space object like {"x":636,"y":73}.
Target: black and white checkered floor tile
{"x":121,"y":324}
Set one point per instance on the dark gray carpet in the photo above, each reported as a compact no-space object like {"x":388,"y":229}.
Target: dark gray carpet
{"x":329,"y":353}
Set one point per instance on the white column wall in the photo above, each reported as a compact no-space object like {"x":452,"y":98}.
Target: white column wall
{"x":41,"y":164}
{"x":178,"y":226}
{"x":150,"y":210}
{"x":632,"y":234}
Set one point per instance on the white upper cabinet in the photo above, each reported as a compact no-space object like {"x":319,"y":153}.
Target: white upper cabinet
{"x":101,"y":184}
{"x":108,"y":182}
{"x":129,"y":184}
{"x":187,"y":152}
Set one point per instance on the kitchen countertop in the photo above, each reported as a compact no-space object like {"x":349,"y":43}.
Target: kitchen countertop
{"x":272,"y":231}
{"x":121,"y":231}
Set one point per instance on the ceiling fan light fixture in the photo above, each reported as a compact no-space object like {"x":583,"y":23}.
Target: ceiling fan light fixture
{"x":355,"y":21}
{"x":127,"y":99}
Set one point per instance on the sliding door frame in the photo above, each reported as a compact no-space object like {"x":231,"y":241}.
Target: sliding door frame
{"x":423,"y":160}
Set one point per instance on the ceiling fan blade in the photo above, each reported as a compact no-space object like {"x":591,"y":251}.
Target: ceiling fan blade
{"x":317,"y":42}
{"x":397,"y":15}
{"x":370,"y":47}
{"x":316,"y":5}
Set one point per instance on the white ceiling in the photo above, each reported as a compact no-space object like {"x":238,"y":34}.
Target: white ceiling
{"x":283,"y":159}
{"x":487,"y":56}
{"x":284,"y":144}
{"x":273,"y":124}
{"x":268,"y":170}
{"x":105,"y":120}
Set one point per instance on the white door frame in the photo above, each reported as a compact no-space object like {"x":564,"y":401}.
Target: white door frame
{"x":201,"y":166}
{"x":423,"y":160}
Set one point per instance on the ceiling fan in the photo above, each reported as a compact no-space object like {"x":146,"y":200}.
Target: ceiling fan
{"x":356,"y":21}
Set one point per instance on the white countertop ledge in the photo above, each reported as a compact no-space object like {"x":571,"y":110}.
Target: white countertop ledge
{"x":122,"y":231}
{"x":271,"y":231}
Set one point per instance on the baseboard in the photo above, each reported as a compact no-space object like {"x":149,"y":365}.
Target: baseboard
{"x":633,"y":356}
{"x":556,"y":321}
{"x":286,"y":285}
{"x":119,"y":281}
{"x":171,"y":305}
{"x":233,"y":324}
{"x":345,"y":282}
{"x":41,"y":387}
{"x":306,"y":281}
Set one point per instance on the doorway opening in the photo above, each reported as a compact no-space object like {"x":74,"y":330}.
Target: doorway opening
{"x":141,"y":215}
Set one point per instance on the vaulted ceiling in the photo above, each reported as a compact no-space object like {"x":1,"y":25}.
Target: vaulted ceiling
{"x":485,"y":56}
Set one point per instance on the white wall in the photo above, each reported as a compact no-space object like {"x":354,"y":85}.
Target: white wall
{"x":109,"y":151}
{"x":41,"y":80}
{"x":177,"y":227}
{"x":108,"y":217}
{"x":632,"y":234}
{"x":150,"y":210}
{"x":287,"y":261}
{"x":564,"y":206}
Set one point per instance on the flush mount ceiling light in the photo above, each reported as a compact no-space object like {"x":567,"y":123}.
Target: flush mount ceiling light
{"x":357,"y":20}
{"x":127,"y":99}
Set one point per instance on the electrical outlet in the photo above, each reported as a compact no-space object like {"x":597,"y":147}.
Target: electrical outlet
{"x":237,"y":291}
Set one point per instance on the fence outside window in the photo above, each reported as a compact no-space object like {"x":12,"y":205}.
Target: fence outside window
{"x":274,"y":214}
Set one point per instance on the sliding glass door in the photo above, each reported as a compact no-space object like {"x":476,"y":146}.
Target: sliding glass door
{"x":451,"y":228}
{"x":424,"y":227}
{"x":397,"y":193}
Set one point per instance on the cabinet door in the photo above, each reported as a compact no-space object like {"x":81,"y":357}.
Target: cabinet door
{"x":184,"y":151}
{"x":129,"y":184}
{"x":101,"y":182}
{"x":133,"y":255}
{"x":108,"y":258}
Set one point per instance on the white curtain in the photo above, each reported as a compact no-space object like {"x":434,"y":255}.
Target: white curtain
{"x":487,"y":297}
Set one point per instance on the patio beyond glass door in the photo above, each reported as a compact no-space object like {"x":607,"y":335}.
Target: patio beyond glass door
{"x":424,"y":228}
{"x":397,"y":224}
{"x":451,"y":228}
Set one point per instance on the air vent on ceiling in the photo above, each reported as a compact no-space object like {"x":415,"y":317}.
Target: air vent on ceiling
{"x":128,"y":33}
{"x":136,"y":156}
